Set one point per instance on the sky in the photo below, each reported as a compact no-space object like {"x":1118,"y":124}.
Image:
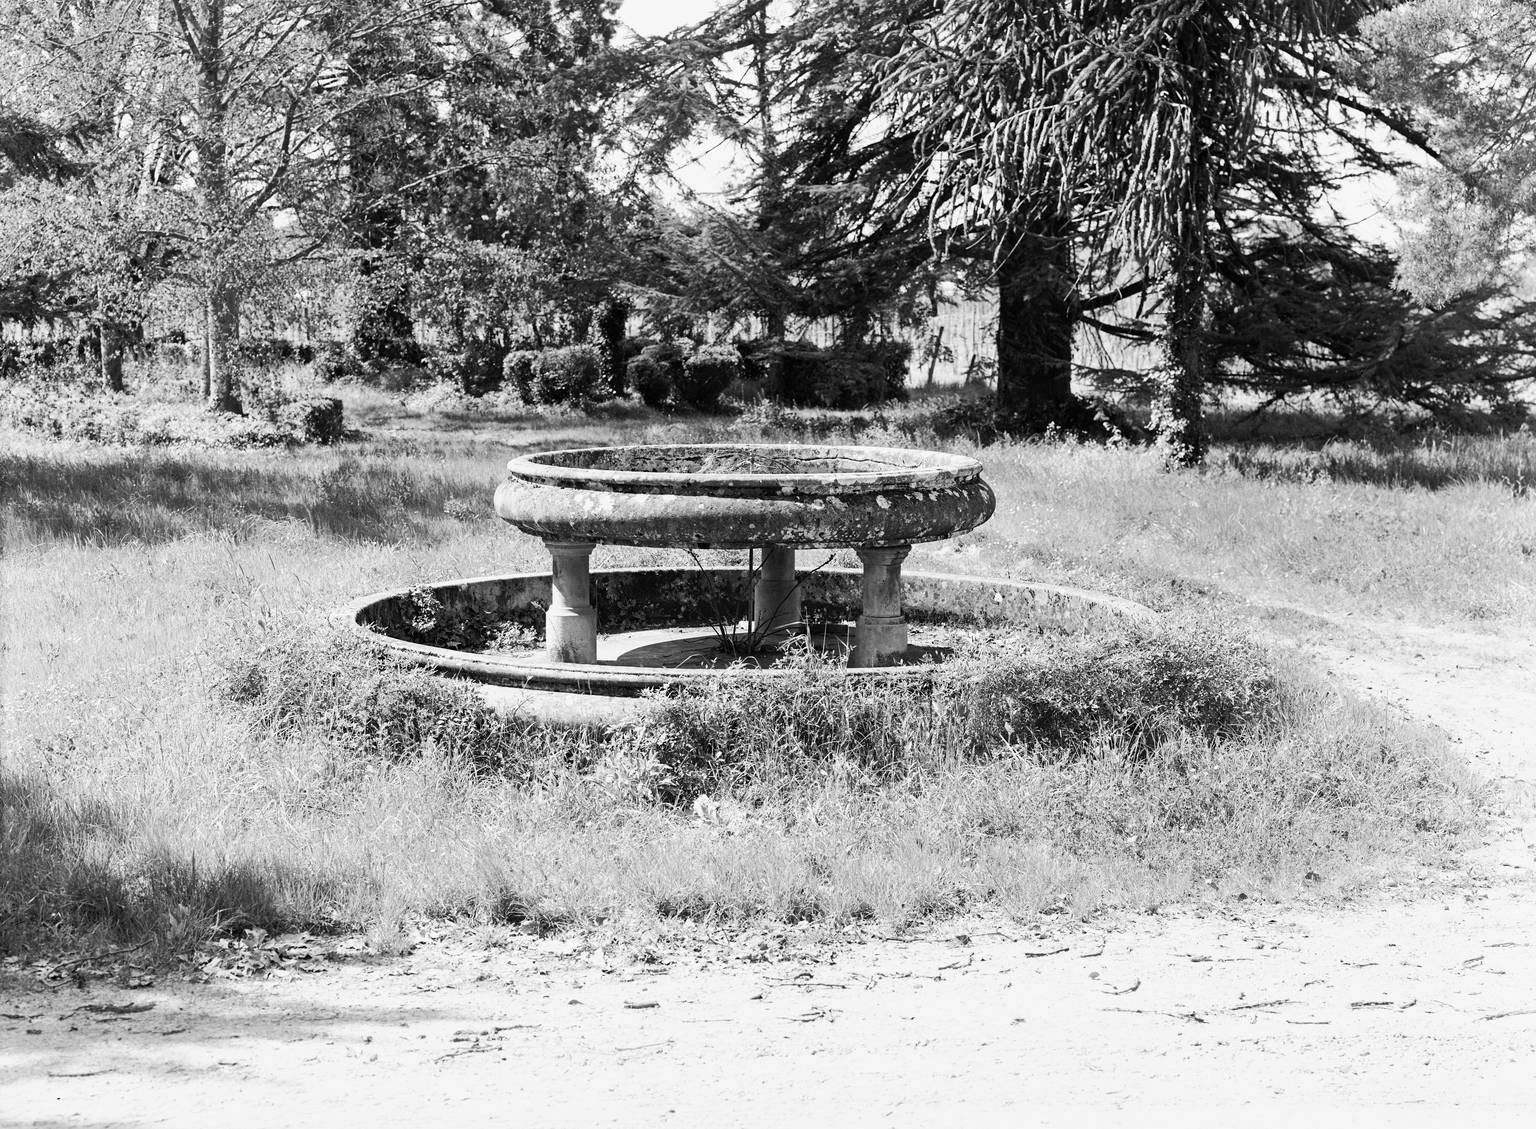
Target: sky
{"x":653,"y":17}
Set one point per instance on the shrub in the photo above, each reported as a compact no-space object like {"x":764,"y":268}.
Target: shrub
{"x":476,"y":369}
{"x":650,"y":380}
{"x":335,"y":363}
{"x":313,"y":419}
{"x":608,"y":325}
{"x":87,"y":414}
{"x":705,"y":374}
{"x":894,"y":358}
{"x":634,"y":346}
{"x":572,"y":375}
{"x":517,"y":371}
{"x":1059,"y":698}
{"x":982,"y":422}
{"x":659,"y":374}
{"x":804,"y":375}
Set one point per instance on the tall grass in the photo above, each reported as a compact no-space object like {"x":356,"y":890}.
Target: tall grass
{"x":143,"y":798}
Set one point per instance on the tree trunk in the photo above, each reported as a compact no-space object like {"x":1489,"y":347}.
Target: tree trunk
{"x":223,"y":337}
{"x":111,"y":340}
{"x":1178,"y":415}
{"x":1034,"y":324}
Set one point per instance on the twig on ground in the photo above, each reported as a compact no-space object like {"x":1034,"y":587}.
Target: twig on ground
{"x":1261,"y":1003}
{"x":1122,"y":991}
{"x":94,"y":957}
{"x":1045,"y":952}
{"x":1510,"y":1014}
{"x":1186,"y":1015}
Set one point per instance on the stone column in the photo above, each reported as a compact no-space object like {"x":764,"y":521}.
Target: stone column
{"x":570,"y":625}
{"x":880,"y":638}
{"x":776,"y":596}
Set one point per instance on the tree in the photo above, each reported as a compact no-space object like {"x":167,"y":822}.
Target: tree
{"x":811,"y":230}
{"x":226,"y":111}
{"x":1461,"y":76}
{"x":1114,"y":125}
{"x":496,"y":180}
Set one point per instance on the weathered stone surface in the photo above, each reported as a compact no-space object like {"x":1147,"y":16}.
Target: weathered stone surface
{"x":634,"y":599}
{"x":743,"y":496}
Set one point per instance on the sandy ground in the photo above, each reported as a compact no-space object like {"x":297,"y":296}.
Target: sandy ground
{"x":1415,"y":1005}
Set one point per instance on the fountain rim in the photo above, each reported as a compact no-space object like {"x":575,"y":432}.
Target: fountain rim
{"x":907,"y":468}
{"x":604,"y":679}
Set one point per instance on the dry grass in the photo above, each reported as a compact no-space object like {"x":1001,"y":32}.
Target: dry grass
{"x":138,"y":801}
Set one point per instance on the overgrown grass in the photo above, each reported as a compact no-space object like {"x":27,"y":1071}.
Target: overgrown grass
{"x":143,"y":799}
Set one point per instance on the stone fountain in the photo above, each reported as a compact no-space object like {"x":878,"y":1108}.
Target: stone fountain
{"x":596,"y":640}
{"x":773,"y":499}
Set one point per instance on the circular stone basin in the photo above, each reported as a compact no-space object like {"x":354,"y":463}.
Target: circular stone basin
{"x":738,"y":496}
{"x":662,"y":631}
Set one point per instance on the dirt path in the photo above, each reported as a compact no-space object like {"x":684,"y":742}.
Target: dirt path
{"x":1407,"y":1004}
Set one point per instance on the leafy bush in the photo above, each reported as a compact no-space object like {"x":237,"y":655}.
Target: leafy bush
{"x":705,"y":374}
{"x":650,"y":380}
{"x":87,"y":414}
{"x":335,"y":363}
{"x":314,"y":419}
{"x":804,"y":375}
{"x":476,"y":369}
{"x":517,"y":370}
{"x":982,"y":422}
{"x":269,"y":352}
{"x":608,"y":325}
{"x":634,"y":346}
{"x":572,"y":375}
{"x":894,"y":358}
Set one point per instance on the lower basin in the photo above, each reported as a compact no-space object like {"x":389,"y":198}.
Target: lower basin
{"x":664,"y":628}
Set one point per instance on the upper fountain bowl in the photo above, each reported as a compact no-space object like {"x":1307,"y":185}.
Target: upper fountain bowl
{"x":736,"y":496}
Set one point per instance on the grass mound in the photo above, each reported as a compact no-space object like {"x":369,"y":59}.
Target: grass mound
{"x":1051,"y":698}
{"x":1042,"y":775}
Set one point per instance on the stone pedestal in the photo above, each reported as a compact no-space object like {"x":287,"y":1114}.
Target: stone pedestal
{"x":570,"y":624}
{"x":880,"y":638}
{"x":776,"y":595}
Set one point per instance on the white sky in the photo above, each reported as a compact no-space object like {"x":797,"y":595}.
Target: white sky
{"x":653,"y":17}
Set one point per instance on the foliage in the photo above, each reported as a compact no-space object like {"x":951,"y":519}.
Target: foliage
{"x":572,"y":375}
{"x":609,"y":327}
{"x":359,"y":700}
{"x":1308,"y":315}
{"x":517,"y":370}
{"x":70,"y":409}
{"x":851,"y":377}
{"x":336,"y":363}
{"x":705,"y":374}
{"x":1054,"y":700}
{"x":66,"y":411}
{"x":313,"y":419}
{"x":648,"y":377}
{"x":1463,"y":71}
{"x":982,"y":421}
